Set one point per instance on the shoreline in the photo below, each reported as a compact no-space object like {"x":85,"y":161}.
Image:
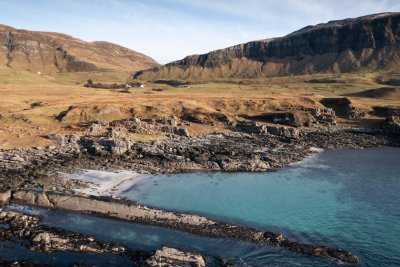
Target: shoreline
{"x":112,"y":183}
{"x":41,"y":174}
{"x":103,"y":183}
{"x":130,"y":211}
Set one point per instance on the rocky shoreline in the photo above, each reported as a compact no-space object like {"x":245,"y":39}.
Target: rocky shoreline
{"x":32,"y":176}
{"x":40,"y":167}
{"x":30,"y":233}
{"x":130,"y":211}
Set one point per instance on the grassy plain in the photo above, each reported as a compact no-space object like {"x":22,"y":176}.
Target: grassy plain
{"x":31,"y":104}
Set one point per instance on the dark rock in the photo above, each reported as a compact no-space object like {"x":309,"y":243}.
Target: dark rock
{"x":391,"y":125}
{"x":386,"y":111}
{"x":343,"y":107}
{"x":24,"y":263}
{"x":40,"y":238}
{"x":319,"y":251}
{"x":288,"y":132}
{"x":59,"y":139}
{"x":263,"y":129}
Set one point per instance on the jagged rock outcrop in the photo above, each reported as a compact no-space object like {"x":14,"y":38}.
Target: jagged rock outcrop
{"x":366,"y":43}
{"x":343,"y":107}
{"x":43,"y":239}
{"x":173,"y":257}
{"x":262,"y":128}
{"x":53,"y":52}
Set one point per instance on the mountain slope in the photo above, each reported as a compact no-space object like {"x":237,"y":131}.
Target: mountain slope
{"x":55,"y":52}
{"x":362,"y":44}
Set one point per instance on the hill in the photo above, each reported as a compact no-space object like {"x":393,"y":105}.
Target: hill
{"x":369,"y":43}
{"x":48,"y":52}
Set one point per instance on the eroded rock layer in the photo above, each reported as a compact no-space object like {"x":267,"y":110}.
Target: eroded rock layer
{"x":366,"y":43}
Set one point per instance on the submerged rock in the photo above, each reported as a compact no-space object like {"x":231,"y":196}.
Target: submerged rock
{"x":39,"y":238}
{"x":23,"y":263}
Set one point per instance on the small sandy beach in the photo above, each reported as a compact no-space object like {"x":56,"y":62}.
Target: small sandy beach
{"x":103,"y":183}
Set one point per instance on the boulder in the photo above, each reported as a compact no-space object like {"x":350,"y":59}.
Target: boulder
{"x":181,"y":131}
{"x":59,"y":139}
{"x":261,"y":128}
{"x":43,"y":238}
{"x":96,"y":128}
{"x":288,"y":132}
{"x":173,"y":257}
{"x":324,"y":116}
{"x":120,"y":147}
{"x":251,"y":165}
{"x":5,"y":197}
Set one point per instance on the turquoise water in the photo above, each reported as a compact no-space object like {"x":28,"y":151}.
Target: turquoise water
{"x":348,"y":199}
{"x":13,"y":251}
{"x":145,"y":238}
{"x":142,"y":237}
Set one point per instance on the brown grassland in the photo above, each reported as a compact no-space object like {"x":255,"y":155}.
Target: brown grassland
{"x":31,"y":104}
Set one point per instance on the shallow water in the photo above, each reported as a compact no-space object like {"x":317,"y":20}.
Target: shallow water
{"x":348,"y":199}
{"x":144,"y":237}
{"x":13,"y":251}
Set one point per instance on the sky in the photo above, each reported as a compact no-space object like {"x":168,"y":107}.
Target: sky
{"x":168,"y":30}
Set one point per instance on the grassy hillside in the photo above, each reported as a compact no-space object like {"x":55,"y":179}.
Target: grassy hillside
{"x":31,"y":103}
{"x":49,"y":53}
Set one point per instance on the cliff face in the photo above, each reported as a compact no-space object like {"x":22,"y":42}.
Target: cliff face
{"x":366,"y":43}
{"x":54,"y":52}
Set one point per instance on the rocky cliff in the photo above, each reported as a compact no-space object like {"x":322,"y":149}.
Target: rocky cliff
{"x":54,"y":52}
{"x":367,"y":43}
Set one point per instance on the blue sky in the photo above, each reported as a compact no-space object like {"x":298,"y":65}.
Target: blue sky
{"x":168,"y":30}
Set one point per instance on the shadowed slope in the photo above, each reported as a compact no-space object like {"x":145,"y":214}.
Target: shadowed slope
{"x":383,"y":93}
